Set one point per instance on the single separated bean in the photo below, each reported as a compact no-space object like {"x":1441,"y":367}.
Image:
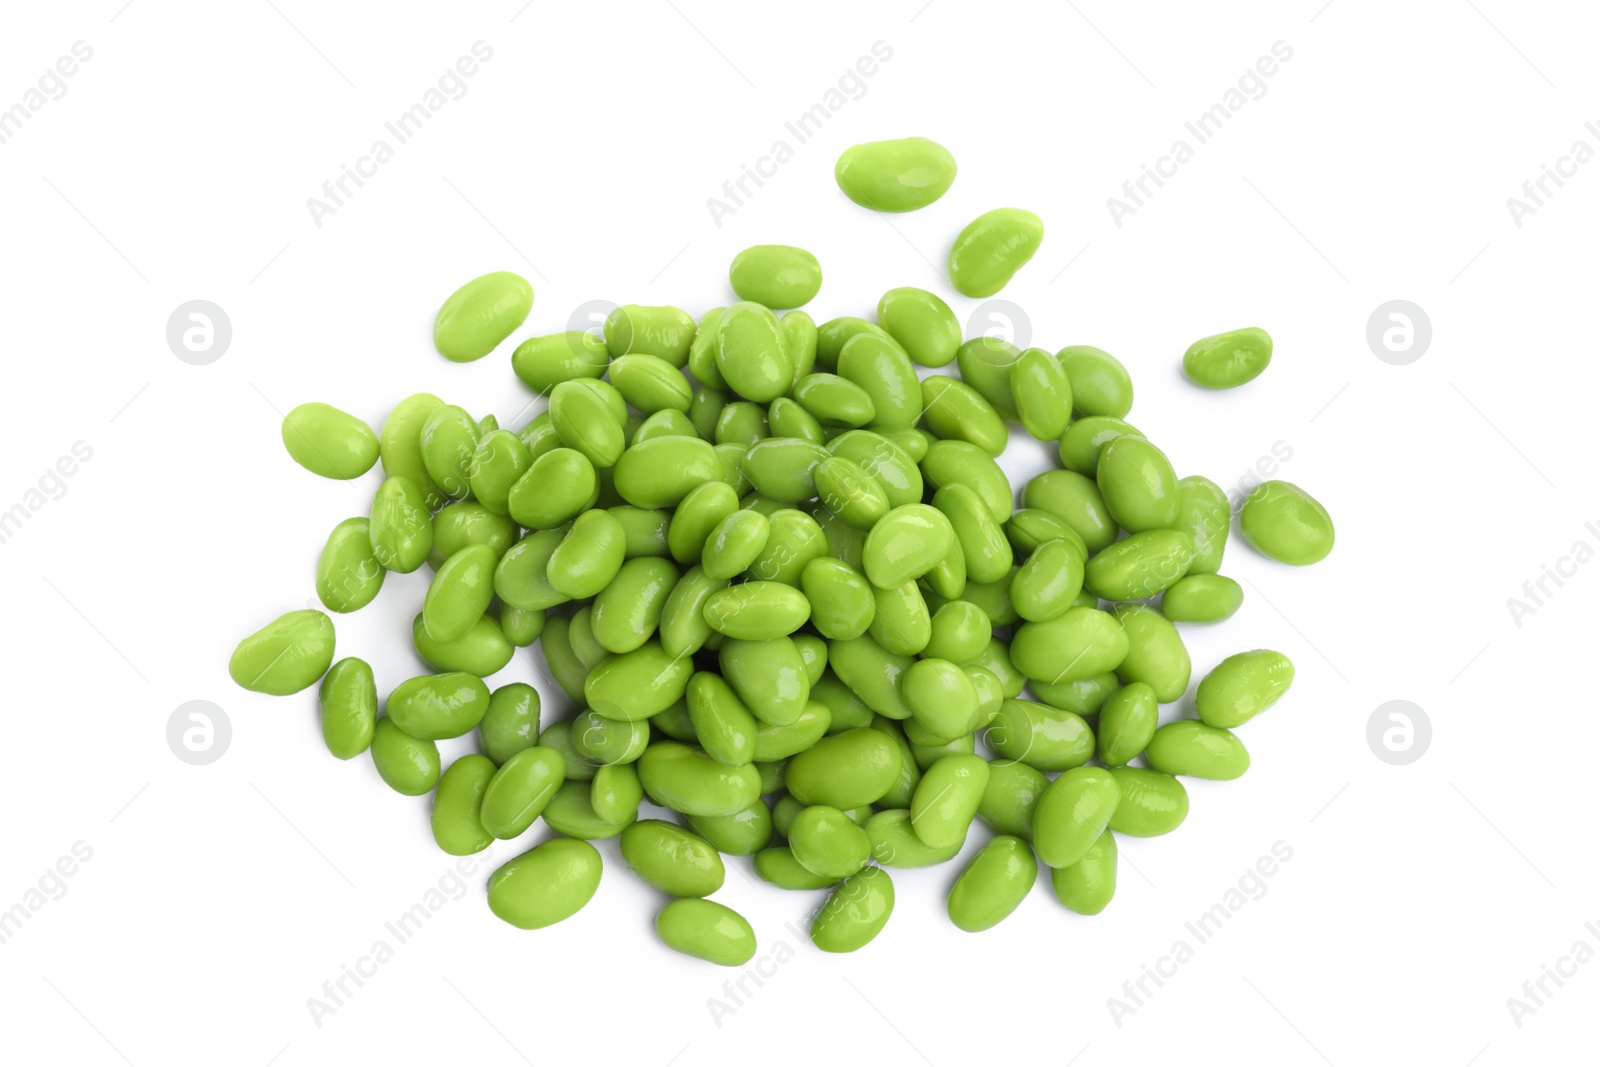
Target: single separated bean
{"x":348,"y":700}
{"x":855,"y":912}
{"x":1284,"y":522}
{"x":329,"y":442}
{"x":1226,"y":360}
{"x":674,"y":860}
{"x":1242,"y":687}
{"x":457,"y":827}
{"x":479,"y":315}
{"x":778,"y":276}
{"x":290,"y":653}
{"x":902,"y":174}
{"x":992,"y":248}
{"x":1202,"y":598}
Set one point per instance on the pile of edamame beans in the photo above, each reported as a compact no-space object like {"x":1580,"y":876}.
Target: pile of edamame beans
{"x":789,"y":595}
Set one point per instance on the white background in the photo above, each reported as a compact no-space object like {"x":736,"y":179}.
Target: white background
{"x":1377,"y":165}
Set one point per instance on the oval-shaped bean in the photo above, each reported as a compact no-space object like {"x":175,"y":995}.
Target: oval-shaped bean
{"x":663,"y":332}
{"x":449,"y":440}
{"x":942,"y":698}
{"x":735,"y":543}
{"x":559,"y":486}
{"x":408,"y":765}
{"x":872,"y":672}
{"x":751,"y":354}
{"x":992,"y":248}
{"x":583,"y":420}
{"x":1284,"y":522}
{"x":457,"y":829}
{"x":512,"y":722}
{"x":1127,"y":722}
{"x":695,"y":518}
{"x":1137,"y":484}
{"x":993,"y":885}
{"x":901,"y":174}
{"x":546,"y":884}
{"x":722,"y":724}
{"x":400,"y":526}
{"x":329,"y":442}
{"x":1242,"y":687}
{"x":348,"y":574}
{"x":906,"y":544}
{"x":1073,"y":813}
{"x":900,"y":621}
{"x":1045,"y":738}
{"x":1202,"y":598}
{"x":500,"y":461}
{"x":545,"y":362}
{"x":290,"y":653}
{"x":1081,"y":696}
{"x":780,"y":468}
{"x":922,"y":324}
{"x":674,"y":860}
{"x":1198,"y":751}
{"x":1010,"y":798}
{"x":348,"y":702}
{"x":1226,"y":360}
{"x":1140,"y":566}
{"x":834,"y":401}
{"x":1100,"y":383}
{"x":954,"y":411}
{"x":687,"y":780}
{"x":841,"y":599}
{"x":855,"y":912}
{"x":947,"y":798}
{"x":1048,"y":583}
{"x":757,"y":611}
{"x":651,"y":384}
{"x":683,"y":626}
{"x":770,"y":677}
{"x":1080,"y":643}
{"x":589,"y":557}
{"x":707,"y":930}
{"x":482,"y":650}
{"x":638,"y":684}
{"x":460,"y":592}
{"x":987,"y":554}
{"x":479,"y":315}
{"x":960,"y":631}
{"x":628,"y":609}
{"x":1152,"y":803}
{"x":1156,"y":653}
{"x":1087,"y":886}
{"x":847,"y":770}
{"x":1042,"y":394}
{"x":850,"y":493}
{"x":881,"y":368}
{"x":825,"y":841}
{"x":432,"y":707}
{"x":659,"y":473}
{"x":615,"y":793}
